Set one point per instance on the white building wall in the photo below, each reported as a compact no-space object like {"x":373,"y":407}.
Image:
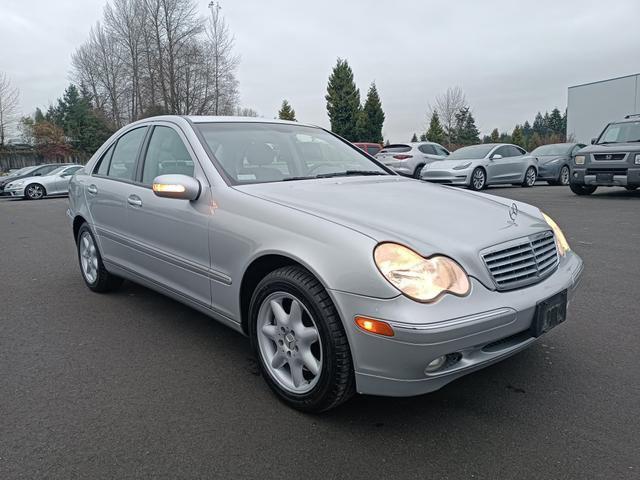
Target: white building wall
{"x":592,"y":105}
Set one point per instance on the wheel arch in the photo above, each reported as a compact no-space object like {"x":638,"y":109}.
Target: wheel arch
{"x":77,"y":223}
{"x":255,"y":272}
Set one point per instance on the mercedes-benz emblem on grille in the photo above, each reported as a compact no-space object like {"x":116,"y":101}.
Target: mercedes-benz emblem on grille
{"x":513,"y":212}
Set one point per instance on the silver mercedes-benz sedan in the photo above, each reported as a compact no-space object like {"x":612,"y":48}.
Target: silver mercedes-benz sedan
{"x":36,"y":187}
{"x":479,"y":166}
{"x":346,"y":277}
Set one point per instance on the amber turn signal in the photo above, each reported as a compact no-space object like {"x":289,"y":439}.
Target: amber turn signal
{"x":374,"y":326}
{"x":167,"y":187}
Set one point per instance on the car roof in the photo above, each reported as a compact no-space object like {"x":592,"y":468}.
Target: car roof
{"x":633,"y":117}
{"x":228,"y":119}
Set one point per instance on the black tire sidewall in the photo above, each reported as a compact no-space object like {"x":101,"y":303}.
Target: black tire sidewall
{"x":311,"y":401}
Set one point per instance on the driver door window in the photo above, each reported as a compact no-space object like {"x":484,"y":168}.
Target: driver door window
{"x":166,"y":154}
{"x":503,"y":151}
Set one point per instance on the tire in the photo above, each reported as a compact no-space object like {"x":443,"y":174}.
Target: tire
{"x":631,"y":189}
{"x":34,"y":191}
{"x":529,"y":178}
{"x":478,"y":179}
{"x":582,"y":189}
{"x":417,"y":171}
{"x":93,"y":272}
{"x":564,"y":176}
{"x":278,"y":342}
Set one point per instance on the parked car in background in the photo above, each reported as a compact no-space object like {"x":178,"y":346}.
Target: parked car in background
{"x":371,"y":148}
{"x":479,"y":166}
{"x":320,"y":262}
{"x":34,"y":171}
{"x":612,"y":160}
{"x":554,"y":161}
{"x":56,"y":182}
{"x":410,"y":158}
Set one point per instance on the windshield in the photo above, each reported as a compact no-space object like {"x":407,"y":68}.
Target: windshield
{"x":272,"y":152}
{"x":555,"y":149}
{"x":470,"y":153}
{"x":621,"y":132}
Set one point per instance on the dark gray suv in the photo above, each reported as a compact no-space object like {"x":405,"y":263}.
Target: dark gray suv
{"x":613,"y":159}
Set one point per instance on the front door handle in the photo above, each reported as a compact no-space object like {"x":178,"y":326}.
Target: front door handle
{"x":134,"y":201}
{"x":92,"y":189}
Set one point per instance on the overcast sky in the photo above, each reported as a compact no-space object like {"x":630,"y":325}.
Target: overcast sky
{"x":512,"y":58}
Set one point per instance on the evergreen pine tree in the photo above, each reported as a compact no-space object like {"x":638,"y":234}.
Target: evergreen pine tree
{"x":371,"y":117}
{"x":517,"y":137}
{"x":495,"y":136}
{"x":286,"y":112}
{"x":343,"y":101}
{"x":538,"y":125}
{"x":555,"y":122}
{"x":466,"y":131}
{"x":435,"y":132}
{"x":414,"y":138}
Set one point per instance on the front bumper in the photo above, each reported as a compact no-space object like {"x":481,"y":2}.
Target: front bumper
{"x":478,"y":330}
{"x":621,"y":176}
{"x":448,"y":177}
{"x":14,"y":192}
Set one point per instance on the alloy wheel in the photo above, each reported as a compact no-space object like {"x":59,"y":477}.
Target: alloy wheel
{"x":88,"y":257}
{"x":531,"y":177}
{"x":564,"y":176}
{"x":478,"y":179}
{"x":35,"y":192}
{"x":289,"y":342}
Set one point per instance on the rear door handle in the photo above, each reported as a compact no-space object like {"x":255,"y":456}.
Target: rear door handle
{"x":134,"y":201}
{"x":92,"y":189}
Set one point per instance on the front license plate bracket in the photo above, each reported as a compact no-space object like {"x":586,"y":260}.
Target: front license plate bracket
{"x":549,"y":314}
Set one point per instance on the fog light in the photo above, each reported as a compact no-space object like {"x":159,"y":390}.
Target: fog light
{"x":435,"y":364}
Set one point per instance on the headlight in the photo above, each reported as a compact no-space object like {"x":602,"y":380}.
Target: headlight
{"x":561,"y":240}
{"x":462,"y":167}
{"x":579,"y":159}
{"x":637,"y":159}
{"x":421,"y":279}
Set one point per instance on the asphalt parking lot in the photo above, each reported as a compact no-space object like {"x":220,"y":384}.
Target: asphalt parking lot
{"x":133,"y":384}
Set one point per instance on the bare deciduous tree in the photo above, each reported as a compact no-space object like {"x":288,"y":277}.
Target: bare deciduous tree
{"x":448,"y":105}
{"x":151,"y":57}
{"x":9,"y":99}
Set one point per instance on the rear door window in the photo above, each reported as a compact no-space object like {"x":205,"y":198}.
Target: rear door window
{"x":103,"y":165}
{"x":427,"y":149}
{"x":440,"y":150}
{"x":123,"y":160}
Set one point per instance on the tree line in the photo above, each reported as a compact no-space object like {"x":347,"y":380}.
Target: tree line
{"x":547,"y":128}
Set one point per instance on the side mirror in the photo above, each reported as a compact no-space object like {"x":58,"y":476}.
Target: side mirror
{"x":176,"y":186}
{"x":497,"y":156}
{"x":593,"y":141}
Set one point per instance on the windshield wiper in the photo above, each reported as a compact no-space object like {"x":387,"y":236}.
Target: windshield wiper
{"x":346,"y":173}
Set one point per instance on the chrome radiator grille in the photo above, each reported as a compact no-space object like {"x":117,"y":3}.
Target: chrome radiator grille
{"x":523,"y":261}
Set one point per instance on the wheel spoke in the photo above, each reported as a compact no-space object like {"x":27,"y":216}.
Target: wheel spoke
{"x":307,"y":335}
{"x":278,"y":360}
{"x":280,"y":315}
{"x":295,"y":316}
{"x":296,"y":373}
{"x":310,"y":362}
{"x":270,"y":331}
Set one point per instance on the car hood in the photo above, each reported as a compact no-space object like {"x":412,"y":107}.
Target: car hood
{"x":427,"y":217}
{"x":550,"y":158}
{"x":621,"y":147}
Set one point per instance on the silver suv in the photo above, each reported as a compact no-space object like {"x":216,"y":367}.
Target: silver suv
{"x":410,"y":158}
{"x":612,"y":160}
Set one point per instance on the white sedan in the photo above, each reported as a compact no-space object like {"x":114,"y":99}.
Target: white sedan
{"x":34,"y":188}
